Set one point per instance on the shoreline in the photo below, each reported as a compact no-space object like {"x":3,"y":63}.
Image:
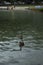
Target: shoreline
{"x":13,"y":8}
{"x":39,"y":8}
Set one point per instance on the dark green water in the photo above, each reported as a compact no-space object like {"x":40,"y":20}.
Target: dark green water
{"x":12,"y":25}
{"x":29,"y":23}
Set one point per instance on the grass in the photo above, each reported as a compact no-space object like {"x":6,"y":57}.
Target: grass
{"x":41,"y":9}
{"x":36,"y":9}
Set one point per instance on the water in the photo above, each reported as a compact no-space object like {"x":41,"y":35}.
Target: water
{"x":12,"y":24}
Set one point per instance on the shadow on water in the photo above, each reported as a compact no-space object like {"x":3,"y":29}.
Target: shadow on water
{"x":16,"y":50}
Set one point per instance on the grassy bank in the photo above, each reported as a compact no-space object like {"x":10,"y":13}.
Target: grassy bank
{"x":36,"y":7}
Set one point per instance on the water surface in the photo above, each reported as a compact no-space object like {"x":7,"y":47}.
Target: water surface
{"x":12,"y":24}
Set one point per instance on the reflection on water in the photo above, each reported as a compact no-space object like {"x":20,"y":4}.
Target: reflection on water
{"x":29,"y":23}
{"x":12,"y":24}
